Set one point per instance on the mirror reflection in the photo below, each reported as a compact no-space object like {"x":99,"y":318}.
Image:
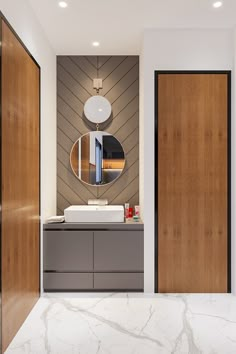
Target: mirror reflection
{"x":97,"y":158}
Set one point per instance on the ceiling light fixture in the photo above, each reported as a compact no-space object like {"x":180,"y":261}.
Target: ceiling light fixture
{"x":217,"y":4}
{"x":96,"y":44}
{"x":63,"y":4}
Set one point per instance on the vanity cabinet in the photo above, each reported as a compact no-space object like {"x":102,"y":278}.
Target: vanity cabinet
{"x":68,"y":251}
{"x":93,"y":257}
{"x":118,"y":251}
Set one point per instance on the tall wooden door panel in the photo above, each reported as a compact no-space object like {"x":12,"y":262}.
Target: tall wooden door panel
{"x":192,"y":237}
{"x":20,"y":184}
{"x":85,"y":158}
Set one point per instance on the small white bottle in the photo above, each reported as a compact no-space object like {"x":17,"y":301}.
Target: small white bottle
{"x":137,"y":210}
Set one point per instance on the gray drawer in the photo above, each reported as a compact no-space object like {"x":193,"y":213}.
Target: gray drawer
{"x":67,"y":281}
{"x":118,"y":281}
{"x":118,"y":251}
{"x":68,"y":251}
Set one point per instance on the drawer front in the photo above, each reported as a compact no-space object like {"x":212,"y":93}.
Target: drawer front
{"x":118,"y":281}
{"x":67,"y":281}
{"x":118,"y":251}
{"x":68,"y":251}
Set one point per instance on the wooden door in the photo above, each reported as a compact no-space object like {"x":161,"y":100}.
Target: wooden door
{"x":20,"y":184}
{"x":85,"y":158}
{"x":192,"y":182}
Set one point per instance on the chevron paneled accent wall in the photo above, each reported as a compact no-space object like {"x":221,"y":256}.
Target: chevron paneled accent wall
{"x":75,"y":76}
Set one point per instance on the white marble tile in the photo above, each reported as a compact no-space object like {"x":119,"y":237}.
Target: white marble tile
{"x":129,"y":324}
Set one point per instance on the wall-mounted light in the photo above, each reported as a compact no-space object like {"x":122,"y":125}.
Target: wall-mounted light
{"x":97,"y":109}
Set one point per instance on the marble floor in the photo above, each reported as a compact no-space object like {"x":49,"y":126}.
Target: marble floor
{"x":129,"y":324}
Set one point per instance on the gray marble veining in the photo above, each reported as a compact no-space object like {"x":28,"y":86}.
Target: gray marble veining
{"x":129,"y":324}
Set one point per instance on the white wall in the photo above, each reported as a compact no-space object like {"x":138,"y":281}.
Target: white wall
{"x":24,"y":22}
{"x":141,"y":134}
{"x":162,"y":50}
{"x":181,"y":49}
{"x":21,"y":17}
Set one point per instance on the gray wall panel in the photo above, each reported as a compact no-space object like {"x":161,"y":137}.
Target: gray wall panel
{"x":75,"y":76}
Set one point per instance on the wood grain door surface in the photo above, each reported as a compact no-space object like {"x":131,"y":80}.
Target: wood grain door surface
{"x":85,"y":158}
{"x":192,"y":187}
{"x":20,"y":184}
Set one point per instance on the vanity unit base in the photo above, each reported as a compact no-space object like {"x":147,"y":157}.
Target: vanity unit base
{"x":67,"y":281}
{"x":93,"y":257}
{"x":118,"y":281}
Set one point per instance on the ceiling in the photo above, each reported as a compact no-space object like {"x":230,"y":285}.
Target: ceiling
{"x":119,"y":25}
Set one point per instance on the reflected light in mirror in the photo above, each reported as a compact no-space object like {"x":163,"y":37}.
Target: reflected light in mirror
{"x":97,"y":158}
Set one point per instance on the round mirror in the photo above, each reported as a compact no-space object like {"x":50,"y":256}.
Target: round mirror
{"x":97,"y":109}
{"x":97,"y":158}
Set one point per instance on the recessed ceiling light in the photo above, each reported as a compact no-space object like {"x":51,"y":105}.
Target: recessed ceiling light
{"x":63,"y":4}
{"x":217,"y":4}
{"x":96,"y":44}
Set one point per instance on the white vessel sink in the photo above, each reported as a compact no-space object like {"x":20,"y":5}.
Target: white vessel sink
{"x":94,"y":213}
